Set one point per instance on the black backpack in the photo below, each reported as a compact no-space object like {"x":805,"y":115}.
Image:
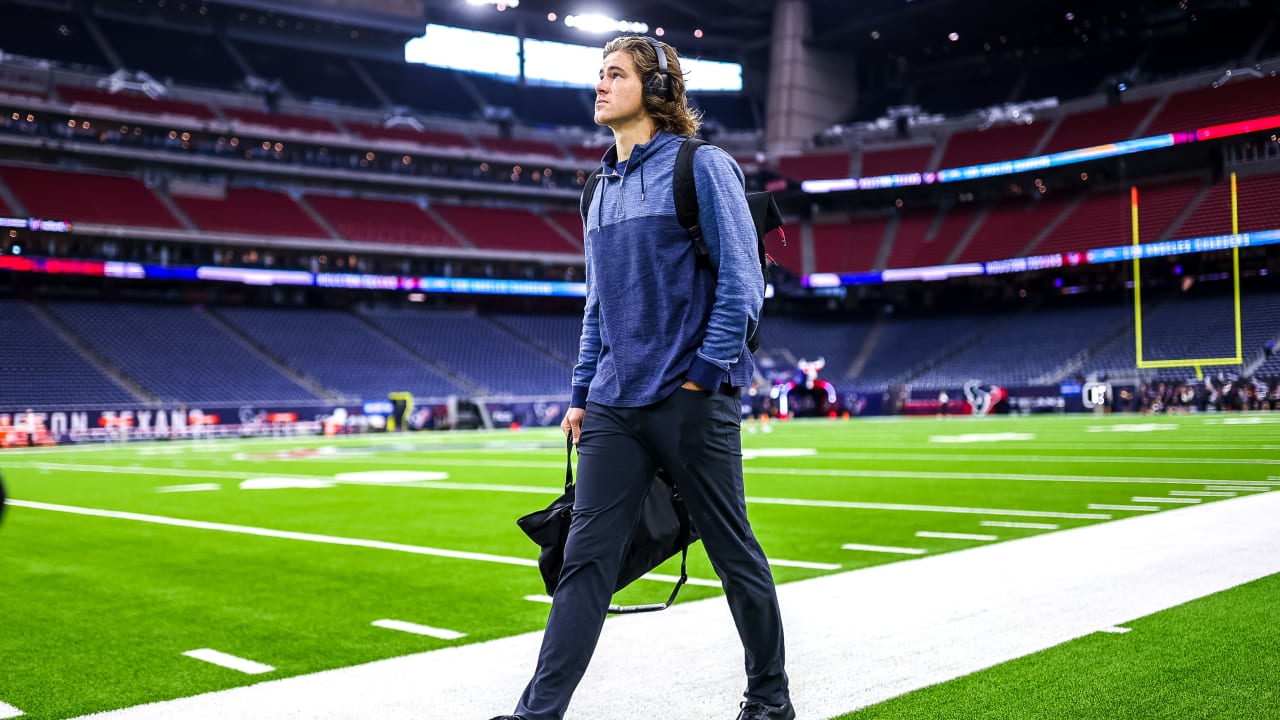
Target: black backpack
{"x":764,"y":213}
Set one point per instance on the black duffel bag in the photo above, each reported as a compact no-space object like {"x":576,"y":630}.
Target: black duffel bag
{"x":663,"y":530}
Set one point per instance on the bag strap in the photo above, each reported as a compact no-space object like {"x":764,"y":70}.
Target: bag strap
{"x":568,"y":462}
{"x":685,"y":191}
{"x":682,"y":513}
{"x":588,"y":192}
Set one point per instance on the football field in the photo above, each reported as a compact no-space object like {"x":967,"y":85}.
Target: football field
{"x":150,"y":572}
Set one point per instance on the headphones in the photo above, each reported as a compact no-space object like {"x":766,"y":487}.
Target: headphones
{"x":659,"y":82}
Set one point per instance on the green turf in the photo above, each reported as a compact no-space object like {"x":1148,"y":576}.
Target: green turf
{"x":98,"y":610}
{"x":1210,"y":659}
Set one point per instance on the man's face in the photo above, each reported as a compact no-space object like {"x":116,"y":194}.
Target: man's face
{"x":619,"y":94}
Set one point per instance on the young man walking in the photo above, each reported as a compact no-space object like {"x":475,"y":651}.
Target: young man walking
{"x":659,"y":379}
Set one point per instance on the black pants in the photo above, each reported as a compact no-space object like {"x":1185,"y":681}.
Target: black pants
{"x":696,"y":437}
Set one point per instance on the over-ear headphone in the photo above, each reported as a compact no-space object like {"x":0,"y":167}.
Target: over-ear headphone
{"x":659,"y":82}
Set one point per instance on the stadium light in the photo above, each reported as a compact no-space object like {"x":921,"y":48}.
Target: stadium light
{"x":603,"y":23}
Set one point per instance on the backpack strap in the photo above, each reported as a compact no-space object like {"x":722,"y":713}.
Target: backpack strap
{"x":588,"y":192}
{"x":686,"y":195}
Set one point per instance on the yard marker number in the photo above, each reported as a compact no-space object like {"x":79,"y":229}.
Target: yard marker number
{"x":884,"y":549}
{"x":9,"y":711}
{"x":215,"y":657}
{"x":417,"y":629}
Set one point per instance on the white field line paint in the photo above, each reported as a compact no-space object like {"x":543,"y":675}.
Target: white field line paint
{"x":1136,"y":508}
{"x":753,"y":453}
{"x":982,"y":437}
{"x":1116,"y":629}
{"x":538,"y":598}
{"x":1238,"y":488}
{"x":909,"y":624}
{"x":805,"y":564}
{"x":1166,"y":501}
{"x":1020,"y":525}
{"x":955,"y":536}
{"x":195,"y":487}
{"x":311,"y":537}
{"x":1085,"y":459}
{"x":417,"y":629}
{"x":285,"y":483}
{"x":926,"y":508}
{"x":816,"y":472}
{"x":884,"y":549}
{"x":1201,"y":493}
{"x":1243,"y":421}
{"x":9,"y":711}
{"x":249,"y":667}
{"x":1134,"y":428}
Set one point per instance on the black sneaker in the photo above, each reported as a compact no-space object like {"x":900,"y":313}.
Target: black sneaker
{"x":753,"y":710}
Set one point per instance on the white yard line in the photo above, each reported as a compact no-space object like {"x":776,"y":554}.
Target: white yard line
{"x":1239,"y":487}
{"x":312,"y":537}
{"x":1135,"y":508}
{"x":1115,"y":629}
{"x":416,"y":629}
{"x":904,"y":507}
{"x":804,"y":564}
{"x":8,"y":711}
{"x":1020,"y":525}
{"x":955,"y":536}
{"x":194,"y":487}
{"x":853,"y":639}
{"x":884,"y":549}
{"x":1201,"y":493}
{"x":1166,"y":500}
{"x":217,"y":657}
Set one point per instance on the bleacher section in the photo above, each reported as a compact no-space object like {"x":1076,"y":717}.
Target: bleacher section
{"x":570,"y":221}
{"x":898,"y":160}
{"x":381,"y":221}
{"x":1100,"y":220}
{"x":339,"y":351}
{"x":1098,"y":127}
{"x":837,"y":342}
{"x":814,"y":166}
{"x":1257,"y":207}
{"x":1004,"y":142}
{"x":41,"y":369}
{"x":1028,"y":346}
{"x":430,"y":138}
{"x":1010,"y":227}
{"x":177,"y":353}
{"x":249,"y":210}
{"x":476,"y":349}
{"x":425,"y":89}
{"x":134,"y":102}
{"x":847,"y":246}
{"x":81,"y":197}
{"x":1240,"y":99}
{"x":905,"y":345}
{"x":308,"y":73}
{"x":195,"y":57}
{"x":280,"y":121}
{"x":503,"y":229}
{"x":557,"y":335}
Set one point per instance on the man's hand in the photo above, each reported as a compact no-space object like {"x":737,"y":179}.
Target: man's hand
{"x":691,"y":385}
{"x":572,"y":422}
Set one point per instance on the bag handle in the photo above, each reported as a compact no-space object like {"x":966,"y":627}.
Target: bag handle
{"x":568,"y":462}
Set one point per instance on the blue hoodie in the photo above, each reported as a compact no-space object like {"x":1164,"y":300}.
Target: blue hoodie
{"x":654,"y":318}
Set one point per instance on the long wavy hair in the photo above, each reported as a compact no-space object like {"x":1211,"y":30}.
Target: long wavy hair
{"x":671,"y":113}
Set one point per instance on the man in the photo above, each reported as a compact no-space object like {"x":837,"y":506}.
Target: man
{"x":658,"y":382}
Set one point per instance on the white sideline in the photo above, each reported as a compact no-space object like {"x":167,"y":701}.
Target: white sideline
{"x":853,"y":639}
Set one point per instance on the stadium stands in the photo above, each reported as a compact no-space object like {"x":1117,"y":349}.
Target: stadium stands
{"x":381,"y":221}
{"x":195,"y":57}
{"x":249,"y":210}
{"x":178,"y":353}
{"x":505,"y":229}
{"x":41,"y":369}
{"x":897,"y":160}
{"x":1003,"y":142}
{"x":847,"y":246}
{"x":1010,"y":228}
{"x":134,"y":102}
{"x":81,"y":197}
{"x":308,"y":73}
{"x":478,"y":350}
{"x":814,"y":166}
{"x":1098,"y":127}
{"x":430,"y":138}
{"x":556,"y":335}
{"x":1257,"y":207}
{"x":280,"y":121}
{"x":339,"y":351}
{"x":836,"y":341}
{"x":1101,"y":219}
{"x":1240,"y":99}
{"x":906,"y":346}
